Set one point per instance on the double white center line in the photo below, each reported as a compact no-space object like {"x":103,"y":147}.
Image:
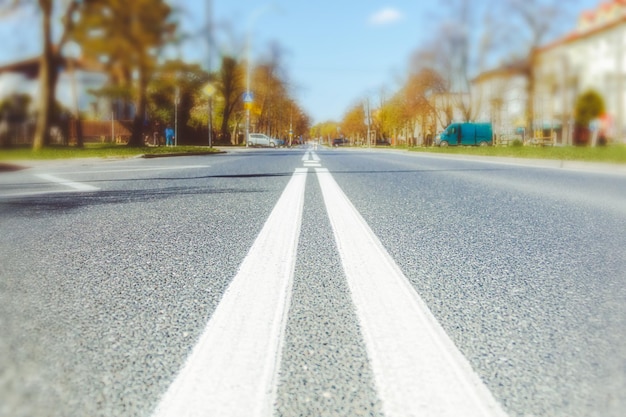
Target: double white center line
{"x":233,"y":369}
{"x":310,"y":159}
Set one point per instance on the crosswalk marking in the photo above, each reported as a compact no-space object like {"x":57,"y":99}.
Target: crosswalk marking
{"x":232,"y":370}
{"x":418,"y":370}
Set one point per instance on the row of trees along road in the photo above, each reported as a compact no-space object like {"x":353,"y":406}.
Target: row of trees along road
{"x":471,"y":37}
{"x":127,"y":39}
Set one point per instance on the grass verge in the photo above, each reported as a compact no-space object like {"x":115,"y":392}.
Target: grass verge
{"x":97,"y":151}
{"x":609,"y":154}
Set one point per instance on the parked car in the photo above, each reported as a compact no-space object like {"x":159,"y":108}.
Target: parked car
{"x":340,"y":142}
{"x":383,"y":142}
{"x":259,"y":139}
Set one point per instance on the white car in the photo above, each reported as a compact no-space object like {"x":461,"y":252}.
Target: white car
{"x":259,"y":139}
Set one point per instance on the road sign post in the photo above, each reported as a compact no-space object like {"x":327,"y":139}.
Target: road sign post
{"x":247,"y":103}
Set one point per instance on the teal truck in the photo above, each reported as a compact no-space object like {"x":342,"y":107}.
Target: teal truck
{"x":466,"y":134}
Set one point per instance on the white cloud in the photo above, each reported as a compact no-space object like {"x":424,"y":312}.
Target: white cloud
{"x":385,"y":16}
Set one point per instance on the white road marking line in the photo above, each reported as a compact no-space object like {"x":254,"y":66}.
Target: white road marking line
{"x":310,"y":159}
{"x":35,"y":193}
{"x":78,"y":186}
{"x":233,"y":369}
{"x":417,"y":369}
{"x":310,"y":156}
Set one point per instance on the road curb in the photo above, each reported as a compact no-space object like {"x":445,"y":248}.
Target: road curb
{"x":571,"y":165}
{"x":5,"y":167}
{"x":166,"y":155}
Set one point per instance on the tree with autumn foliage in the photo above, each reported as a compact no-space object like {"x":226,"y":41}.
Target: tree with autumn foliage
{"x":395,"y":112}
{"x":353,"y":124}
{"x":171,"y":79}
{"x":421,"y":92}
{"x":270,"y":97}
{"x":325,"y":131}
{"x":274,"y":111}
{"x":414,"y":109}
{"x":126,"y":37}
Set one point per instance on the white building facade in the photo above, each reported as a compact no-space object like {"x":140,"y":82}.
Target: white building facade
{"x":500,"y":97}
{"x":592,"y":57}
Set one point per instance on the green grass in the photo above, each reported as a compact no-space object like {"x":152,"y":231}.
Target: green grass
{"x":96,"y":151}
{"x":610,"y":154}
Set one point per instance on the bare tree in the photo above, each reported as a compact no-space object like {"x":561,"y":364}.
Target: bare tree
{"x":129,"y":37}
{"x":459,"y":51}
{"x":533,"y":22}
{"x":50,"y":58}
{"x":231,"y":88}
{"x":270,"y":85}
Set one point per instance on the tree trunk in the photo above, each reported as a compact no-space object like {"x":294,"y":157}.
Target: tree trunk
{"x":224,"y":128}
{"x":136,"y":139}
{"x":80,"y":141}
{"x":47,"y":80}
{"x":530,"y":93}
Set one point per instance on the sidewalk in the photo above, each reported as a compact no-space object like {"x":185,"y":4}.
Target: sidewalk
{"x":570,"y":165}
{"x":18,"y":164}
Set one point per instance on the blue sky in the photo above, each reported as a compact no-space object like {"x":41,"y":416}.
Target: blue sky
{"x":335,"y":53}
{"x":339,"y":52}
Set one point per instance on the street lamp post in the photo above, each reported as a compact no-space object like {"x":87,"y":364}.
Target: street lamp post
{"x":176,"y":103}
{"x":209,"y":22}
{"x":210,"y":121}
{"x":248,"y":97}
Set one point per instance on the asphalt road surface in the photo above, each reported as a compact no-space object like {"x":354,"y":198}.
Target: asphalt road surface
{"x":312,"y":282}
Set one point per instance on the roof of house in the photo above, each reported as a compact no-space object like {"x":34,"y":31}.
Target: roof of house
{"x":30,"y":67}
{"x":606,"y":16}
{"x":518,"y":67}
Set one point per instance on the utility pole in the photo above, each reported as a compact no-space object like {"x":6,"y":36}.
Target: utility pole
{"x":367,"y":116}
{"x":176,"y":103}
{"x":290,"y":124}
{"x":248,"y":96}
{"x":209,"y":23}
